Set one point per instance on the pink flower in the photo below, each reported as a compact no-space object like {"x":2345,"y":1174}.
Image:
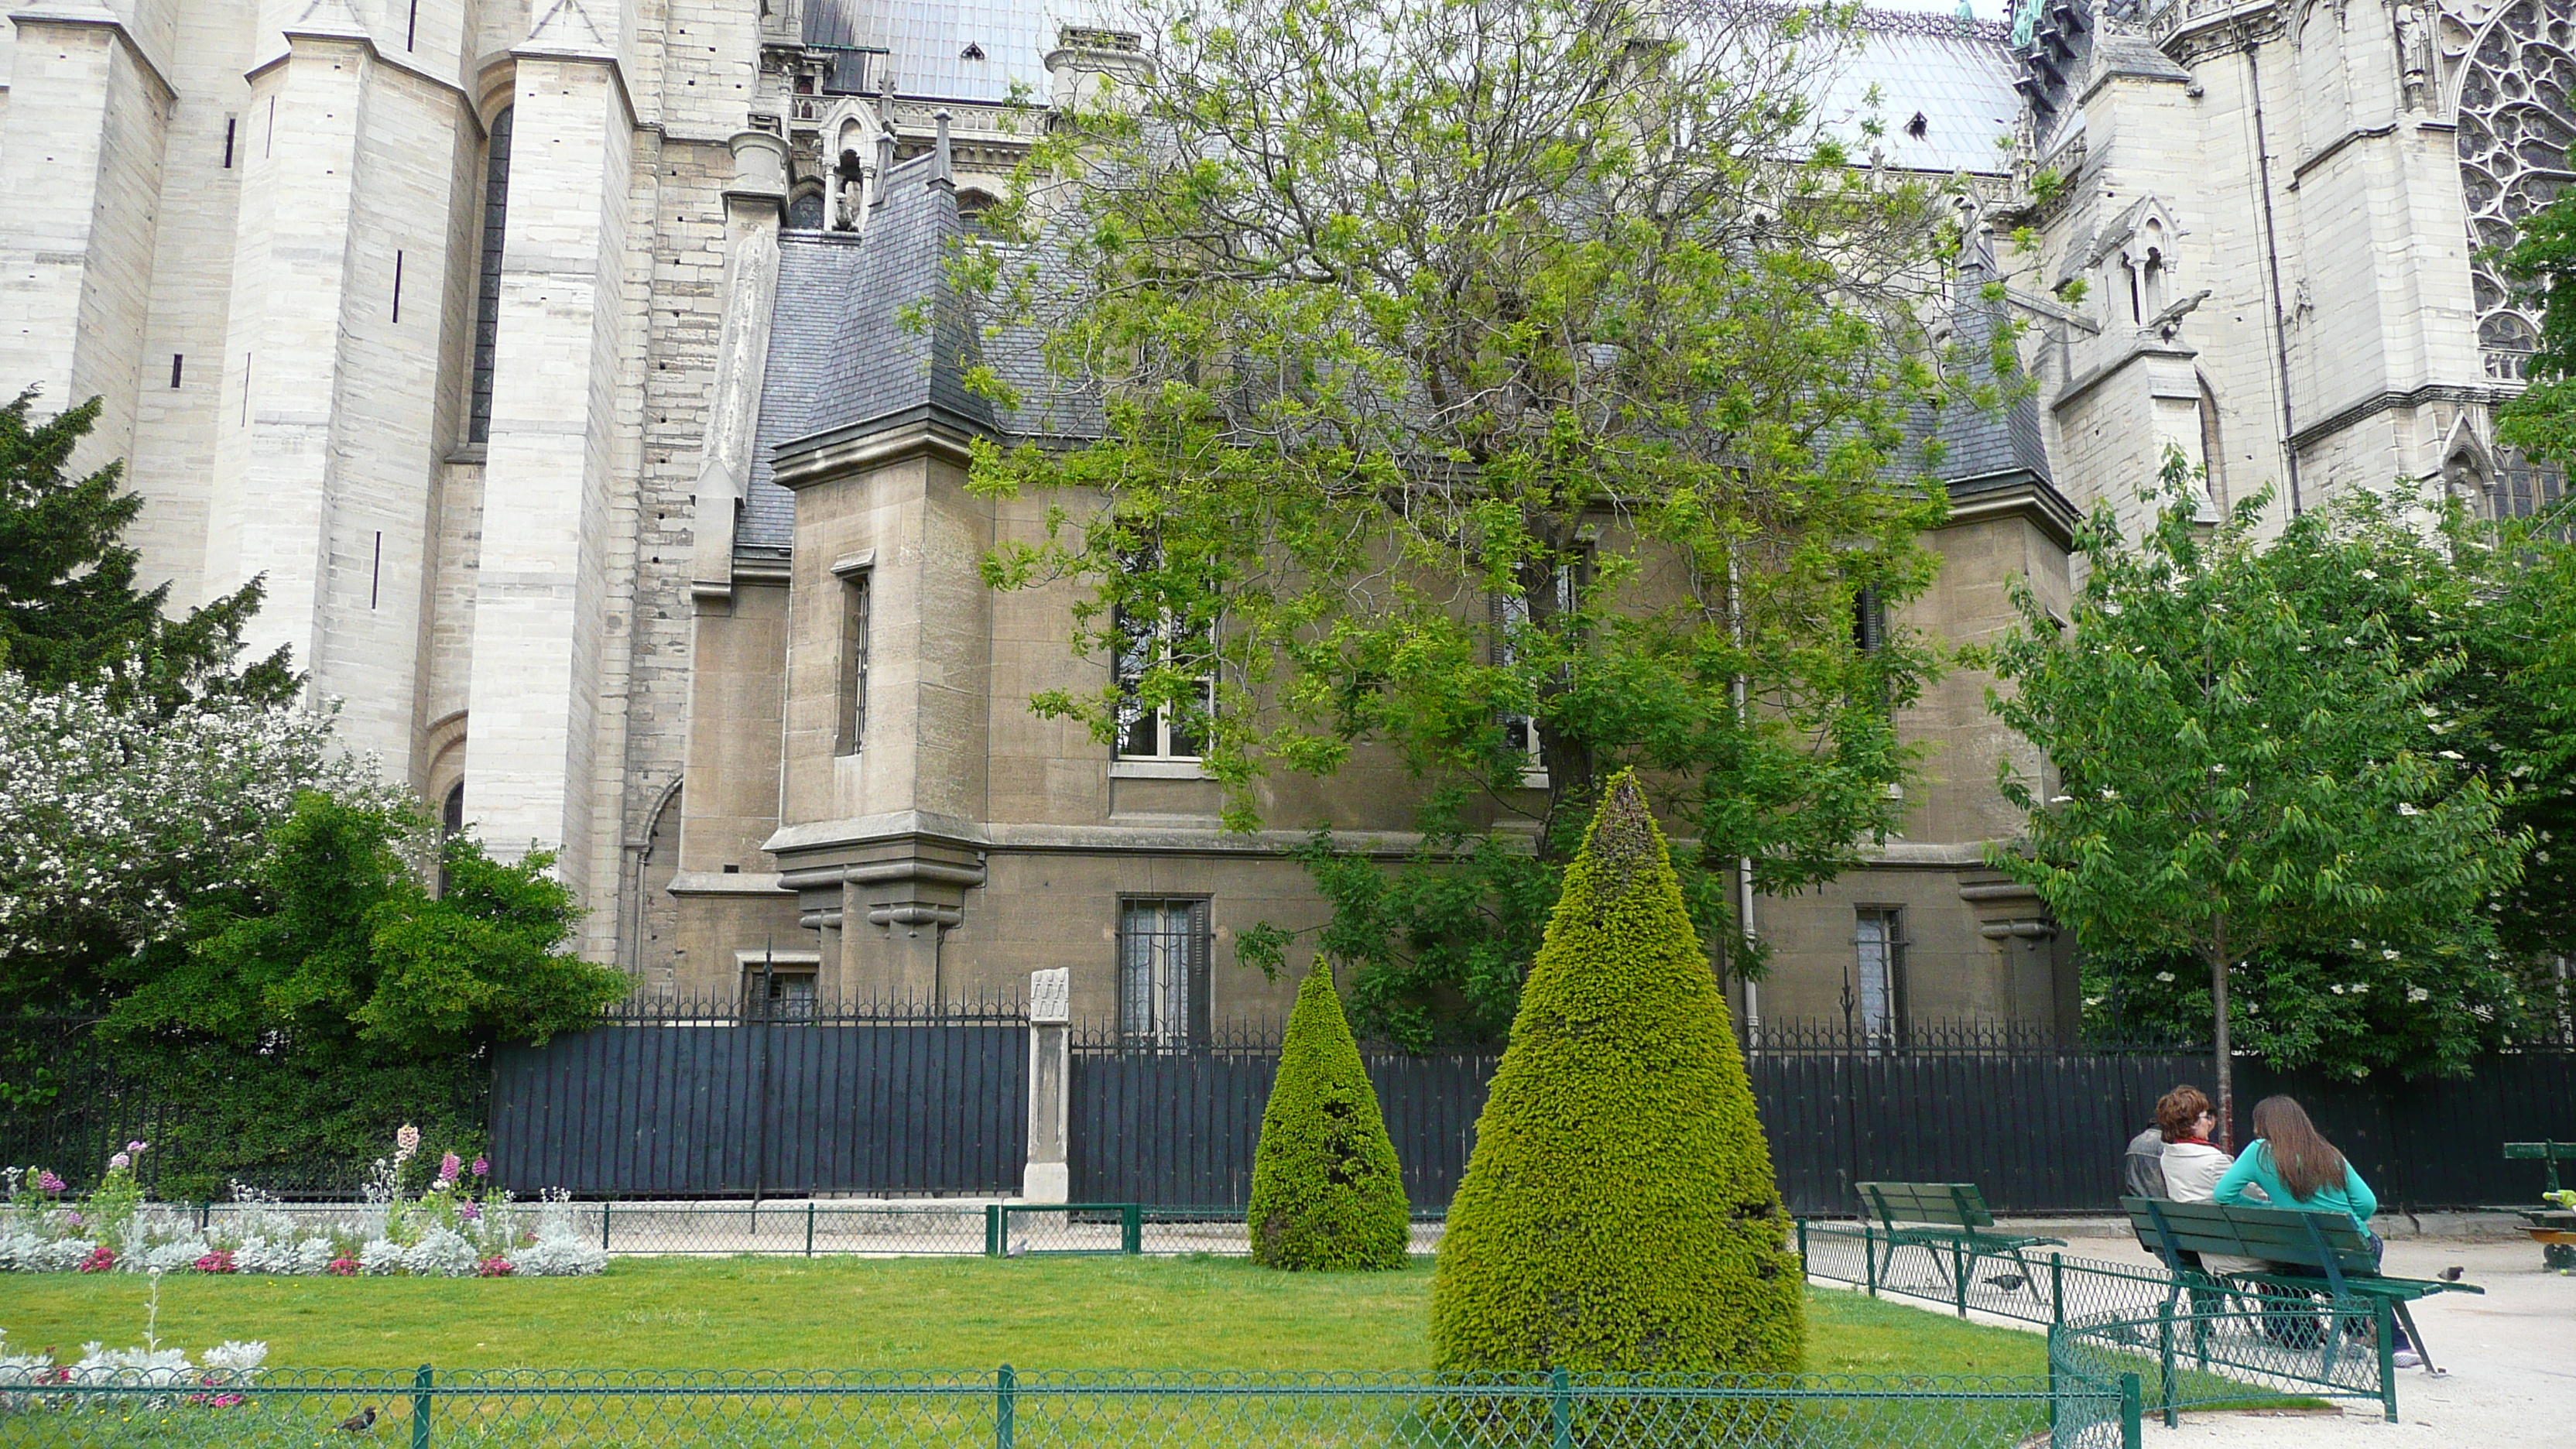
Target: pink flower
{"x":482,"y":1168}
{"x":119,"y":1162}
{"x":218,"y":1261}
{"x":448,"y":1167}
{"x":100,"y":1260}
{"x":47,"y":1182}
{"x":344,"y":1266}
{"x":469,"y":1210}
{"x":495,"y":1267}
{"x":138,"y":1148}
{"x":406,"y":1141}
{"x":73,"y":1218}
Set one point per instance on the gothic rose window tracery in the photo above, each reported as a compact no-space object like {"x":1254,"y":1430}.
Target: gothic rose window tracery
{"x":2517,"y":125}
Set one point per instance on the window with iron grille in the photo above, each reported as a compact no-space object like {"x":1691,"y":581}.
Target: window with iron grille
{"x":1164,"y":944}
{"x":776,"y":993}
{"x":1873,"y":1001}
{"x":854,"y":661}
{"x":487,"y":300}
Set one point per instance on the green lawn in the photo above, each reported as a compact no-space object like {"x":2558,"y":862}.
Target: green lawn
{"x":1187,"y":1313}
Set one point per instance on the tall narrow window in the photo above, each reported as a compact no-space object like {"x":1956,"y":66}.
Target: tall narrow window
{"x":176,"y":361}
{"x":1511,"y":618}
{"x":487,"y":299}
{"x":1163,"y":731}
{"x":229,"y":123}
{"x":854,"y":660}
{"x":398,"y":286}
{"x":1869,"y":620}
{"x":1163,"y":950}
{"x":1874,"y":1002}
{"x":451,"y":824}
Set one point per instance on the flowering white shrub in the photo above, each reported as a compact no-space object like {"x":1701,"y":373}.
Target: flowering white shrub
{"x":229,"y":1368}
{"x":379,"y":1257}
{"x":110,"y":817}
{"x":283,"y":1255}
{"x":177,"y":1255}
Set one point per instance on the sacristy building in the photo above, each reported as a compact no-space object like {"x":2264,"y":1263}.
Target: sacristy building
{"x":546,"y":358}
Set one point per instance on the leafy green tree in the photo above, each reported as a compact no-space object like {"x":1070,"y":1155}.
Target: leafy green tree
{"x":2256,"y":773}
{"x":2542,"y":421}
{"x":1619,"y":1211}
{"x":1327,"y":1191}
{"x":69,"y":608}
{"x":1506,"y":384}
{"x":342,"y":948}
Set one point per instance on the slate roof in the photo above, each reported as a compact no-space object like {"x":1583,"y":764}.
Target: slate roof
{"x":1957,"y":74}
{"x":1983,"y":448}
{"x":961,"y":50}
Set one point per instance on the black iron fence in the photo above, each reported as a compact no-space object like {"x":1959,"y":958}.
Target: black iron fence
{"x":689,"y":1101}
{"x":705,"y":1099}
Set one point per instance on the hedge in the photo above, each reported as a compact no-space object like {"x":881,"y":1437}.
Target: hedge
{"x":1327,"y":1191}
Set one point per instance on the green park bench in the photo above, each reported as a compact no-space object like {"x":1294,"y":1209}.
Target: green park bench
{"x":1950,"y":1222}
{"x":2309,"y":1252}
{"x":2553,"y":1228}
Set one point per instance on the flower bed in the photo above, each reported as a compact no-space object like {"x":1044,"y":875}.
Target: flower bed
{"x":458,"y":1226}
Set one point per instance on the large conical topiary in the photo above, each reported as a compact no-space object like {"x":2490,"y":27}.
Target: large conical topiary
{"x":1326,"y":1189}
{"x":1619,"y":1212}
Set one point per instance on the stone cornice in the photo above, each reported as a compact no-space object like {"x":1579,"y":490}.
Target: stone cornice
{"x":2015,"y":493}
{"x":99,"y":18}
{"x":2414,"y":397}
{"x":856,"y":447}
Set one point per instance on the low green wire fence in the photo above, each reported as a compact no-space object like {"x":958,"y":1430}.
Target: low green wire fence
{"x":2192,"y":1341}
{"x":1009,"y":1410}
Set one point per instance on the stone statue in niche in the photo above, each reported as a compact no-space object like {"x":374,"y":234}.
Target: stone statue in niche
{"x":2415,"y":72}
{"x":852,"y":190}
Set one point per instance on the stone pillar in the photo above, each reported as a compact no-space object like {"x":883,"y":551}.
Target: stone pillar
{"x":541,"y":592}
{"x":84,"y":125}
{"x":1049,"y":1177}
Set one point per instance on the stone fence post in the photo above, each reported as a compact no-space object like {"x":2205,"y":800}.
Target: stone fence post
{"x":1049,"y":1178}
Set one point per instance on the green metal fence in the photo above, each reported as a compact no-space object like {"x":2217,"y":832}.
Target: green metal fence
{"x":1004,"y":1409}
{"x":2191,"y":1341}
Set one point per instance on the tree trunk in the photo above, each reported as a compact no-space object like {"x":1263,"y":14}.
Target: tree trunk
{"x":2219,"y":1044}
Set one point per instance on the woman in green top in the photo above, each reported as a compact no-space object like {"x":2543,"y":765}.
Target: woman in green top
{"x":2293,"y":1166}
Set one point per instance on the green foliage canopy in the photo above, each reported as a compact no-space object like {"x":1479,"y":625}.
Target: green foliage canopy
{"x":1619,"y":1213}
{"x":69,"y":608}
{"x":1327,"y":1191}
{"x":2251,"y":765}
{"x":1498,"y":383}
{"x":2542,"y":421}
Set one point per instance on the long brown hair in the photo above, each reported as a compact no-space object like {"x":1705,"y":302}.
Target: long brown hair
{"x":2306,"y":1161}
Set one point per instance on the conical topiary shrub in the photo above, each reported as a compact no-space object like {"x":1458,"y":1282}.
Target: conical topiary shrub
{"x":1619,"y":1213}
{"x":1326,"y":1189}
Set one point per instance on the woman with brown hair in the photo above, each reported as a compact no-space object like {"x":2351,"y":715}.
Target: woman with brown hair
{"x":2193,"y":1168}
{"x":2295,"y":1167}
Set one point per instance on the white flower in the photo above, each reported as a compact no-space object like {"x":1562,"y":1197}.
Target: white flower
{"x":2418,"y":993}
{"x":2165,"y":976}
{"x":2337,"y":990}
{"x":2452,"y":755}
{"x":2406,"y":809}
{"x":2367,"y":574}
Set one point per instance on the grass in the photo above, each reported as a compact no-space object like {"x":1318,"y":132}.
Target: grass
{"x":1184,"y":1313}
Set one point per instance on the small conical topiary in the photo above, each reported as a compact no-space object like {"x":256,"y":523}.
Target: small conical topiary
{"x":1619,"y":1212}
{"x":1326,"y":1189}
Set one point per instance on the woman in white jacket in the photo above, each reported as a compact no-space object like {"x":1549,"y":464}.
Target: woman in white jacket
{"x":2193,"y":1165}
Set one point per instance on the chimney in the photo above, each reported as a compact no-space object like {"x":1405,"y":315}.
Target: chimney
{"x":940,"y":174}
{"x":1085,"y":58}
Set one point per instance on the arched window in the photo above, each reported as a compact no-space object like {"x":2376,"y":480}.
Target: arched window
{"x":487,"y":297}
{"x":451,"y":823}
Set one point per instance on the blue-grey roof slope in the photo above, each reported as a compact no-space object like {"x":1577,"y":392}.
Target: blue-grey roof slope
{"x":1957,"y":75}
